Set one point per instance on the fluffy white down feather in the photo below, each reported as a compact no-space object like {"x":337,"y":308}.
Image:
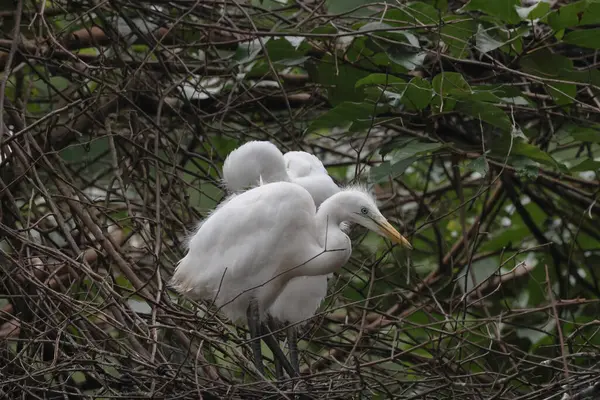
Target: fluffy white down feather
{"x":248,"y":237}
{"x":252,"y":162}
{"x":302,"y":296}
{"x":258,"y":161}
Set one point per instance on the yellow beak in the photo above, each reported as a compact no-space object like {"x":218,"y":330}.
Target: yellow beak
{"x":388,"y":230}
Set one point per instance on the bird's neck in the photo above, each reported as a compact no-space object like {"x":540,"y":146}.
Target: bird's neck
{"x":334,"y":245}
{"x":328,"y":219}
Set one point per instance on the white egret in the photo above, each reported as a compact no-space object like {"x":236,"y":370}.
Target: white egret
{"x":244,"y":253}
{"x":261,"y":161}
{"x":258,"y":161}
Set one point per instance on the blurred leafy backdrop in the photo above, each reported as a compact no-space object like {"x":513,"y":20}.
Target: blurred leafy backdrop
{"x":475,"y":123}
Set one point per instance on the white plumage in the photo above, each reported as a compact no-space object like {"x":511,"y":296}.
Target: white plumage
{"x":259,"y":239}
{"x":243,"y":168}
{"x":240,"y":250}
{"x":247,"y":165}
{"x":245,"y":253}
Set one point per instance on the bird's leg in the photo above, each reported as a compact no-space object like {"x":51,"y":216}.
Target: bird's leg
{"x":293,"y":346}
{"x":278,"y":367}
{"x":278,"y":354}
{"x":254,"y":327}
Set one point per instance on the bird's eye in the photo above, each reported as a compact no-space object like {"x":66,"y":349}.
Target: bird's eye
{"x":364,"y":210}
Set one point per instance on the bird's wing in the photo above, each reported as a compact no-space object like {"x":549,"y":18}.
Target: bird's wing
{"x":244,"y":243}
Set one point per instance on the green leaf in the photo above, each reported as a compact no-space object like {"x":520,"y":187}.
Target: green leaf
{"x":586,"y":135}
{"x":485,"y":42}
{"x":89,"y":51}
{"x":413,"y":148}
{"x":502,"y":238}
{"x":401,"y":157}
{"x":443,"y":84}
{"x":282,"y":50}
{"x":584,"y":38}
{"x":387,"y":80}
{"x":513,"y":38}
{"x":386,"y":170}
{"x":343,"y":6}
{"x":325,"y":30}
{"x":503,"y":9}
{"x":527,"y":172}
{"x":382,"y":29}
{"x":413,"y":14}
{"x":417,"y":94}
{"x":562,"y":93}
{"x":375,"y":26}
{"x":441,"y":5}
{"x":361,"y":47}
{"x":589,"y":76}
{"x":477,"y":95}
{"x":525,"y":154}
{"x":479,"y":165}
{"x":570,"y":132}
{"x":533,"y":153}
{"x":546,"y":64}
{"x":572,"y":14}
{"x":486,"y":112}
{"x":457,"y":35}
{"x":395,"y":144}
{"x":586,"y":165}
{"x":533,"y":12}
{"x":248,"y":51}
{"x":591,"y":15}
{"x":348,"y":116}
{"x":407,"y":59}
{"x":339,"y":79}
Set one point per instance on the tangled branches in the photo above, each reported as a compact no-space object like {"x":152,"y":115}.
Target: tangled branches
{"x":115,"y":118}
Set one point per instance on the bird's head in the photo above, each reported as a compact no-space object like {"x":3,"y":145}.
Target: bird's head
{"x":359,"y":207}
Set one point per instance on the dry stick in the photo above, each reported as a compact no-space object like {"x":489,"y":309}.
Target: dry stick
{"x":458,"y":246}
{"x":556,"y":254}
{"x":106,"y":242}
{"x":77,"y":209}
{"x":494,"y":282}
{"x":111,"y":248}
{"x":157,"y":251}
{"x":557,"y":319}
{"x":463,"y":219}
{"x":125,"y":267}
{"x":364,"y":315}
{"x":89,"y":256}
{"x":11,"y":54}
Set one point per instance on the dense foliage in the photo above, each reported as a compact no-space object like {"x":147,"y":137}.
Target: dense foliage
{"x":476,"y":123}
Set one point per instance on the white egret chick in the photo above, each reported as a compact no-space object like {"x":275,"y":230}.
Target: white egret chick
{"x":245,"y":252}
{"x":254,"y":161}
{"x":309,"y":172}
{"x":258,"y":161}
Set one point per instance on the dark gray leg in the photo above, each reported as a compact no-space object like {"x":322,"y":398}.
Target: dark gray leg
{"x":293,"y":346}
{"x":278,"y":354}
{"x":254,"y":327}
{"x":272,"y":325}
